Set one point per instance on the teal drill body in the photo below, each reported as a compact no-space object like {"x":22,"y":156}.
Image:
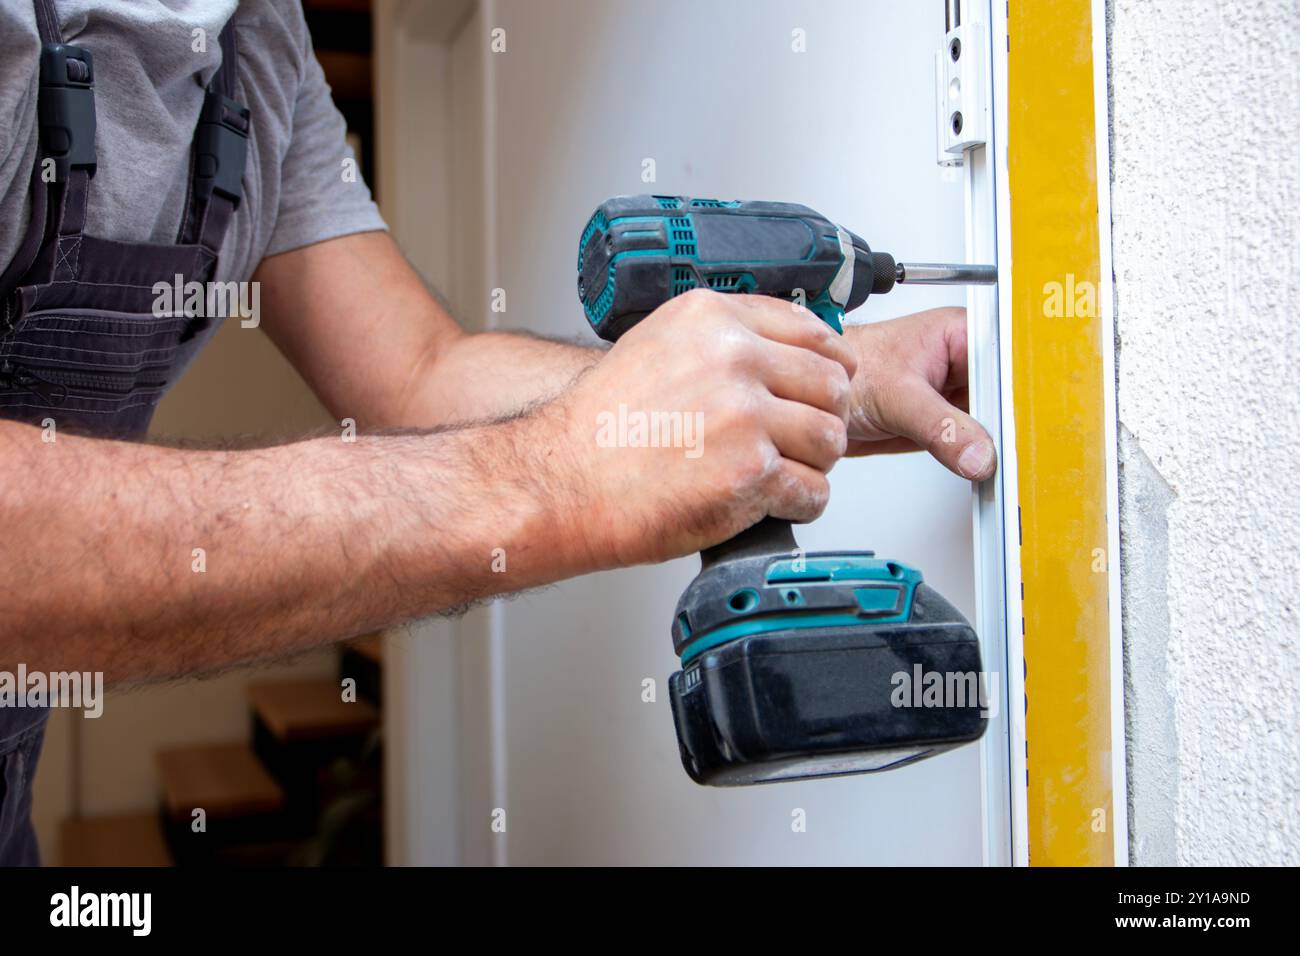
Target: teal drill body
{"x":651,"y":248}
{"x":790,"y":661}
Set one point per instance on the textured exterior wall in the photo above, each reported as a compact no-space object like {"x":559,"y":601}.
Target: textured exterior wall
{"x":1205,"y":103}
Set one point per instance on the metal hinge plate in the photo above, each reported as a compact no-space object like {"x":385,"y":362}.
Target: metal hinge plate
{"x":961,"y":106}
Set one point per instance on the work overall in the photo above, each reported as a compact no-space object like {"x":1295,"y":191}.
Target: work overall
{"x":82,"y":347}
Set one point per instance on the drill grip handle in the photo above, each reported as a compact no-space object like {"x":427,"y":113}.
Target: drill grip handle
{"x":769,"y":536}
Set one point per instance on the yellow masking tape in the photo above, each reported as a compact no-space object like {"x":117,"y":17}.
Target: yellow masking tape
{"x":1060,"y":429}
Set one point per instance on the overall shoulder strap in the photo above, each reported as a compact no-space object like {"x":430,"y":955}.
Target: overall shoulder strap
{"x":220,"y":152}
{"x":47,"y":22}
{"x":65,"y":160}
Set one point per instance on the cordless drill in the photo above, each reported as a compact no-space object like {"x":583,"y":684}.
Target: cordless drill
{"x":794,"y":665}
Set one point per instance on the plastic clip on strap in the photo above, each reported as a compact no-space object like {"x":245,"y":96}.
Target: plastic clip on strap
{"x":221,"y":148}
{"x":66,"y":109}
{"x":220,"y":152}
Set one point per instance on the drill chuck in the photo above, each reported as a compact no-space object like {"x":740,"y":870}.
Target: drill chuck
{"x":884,"y":272}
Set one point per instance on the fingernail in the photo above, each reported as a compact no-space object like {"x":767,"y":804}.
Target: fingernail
{"x":975,"y":460}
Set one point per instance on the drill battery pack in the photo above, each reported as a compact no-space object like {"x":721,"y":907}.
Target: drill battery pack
{"x":833,"y":664}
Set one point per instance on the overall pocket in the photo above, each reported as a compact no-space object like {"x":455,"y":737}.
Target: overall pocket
{"x":91,"y":370}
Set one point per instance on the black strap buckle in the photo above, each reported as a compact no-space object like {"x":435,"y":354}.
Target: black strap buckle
{"x":220,"y":148}
{"x":65,"y":108}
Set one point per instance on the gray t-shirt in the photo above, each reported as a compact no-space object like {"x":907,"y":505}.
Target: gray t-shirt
{"x":149,"y":83}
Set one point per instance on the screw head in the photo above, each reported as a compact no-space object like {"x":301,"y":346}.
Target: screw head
{"x":954,"y":49}
{"x":956,"y":123}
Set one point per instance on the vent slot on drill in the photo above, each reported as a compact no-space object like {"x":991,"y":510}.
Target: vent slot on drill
{"x":682,"y":233}
{"x":725,"y":283}
{"x":683,"y":280}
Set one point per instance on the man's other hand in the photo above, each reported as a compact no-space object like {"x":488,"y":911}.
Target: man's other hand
{"x":909,"y":392}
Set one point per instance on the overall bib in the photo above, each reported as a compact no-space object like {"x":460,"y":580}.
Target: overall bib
{"x":82,"y":345}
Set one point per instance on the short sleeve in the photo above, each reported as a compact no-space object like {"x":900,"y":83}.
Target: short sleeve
{"x":322,"y":193}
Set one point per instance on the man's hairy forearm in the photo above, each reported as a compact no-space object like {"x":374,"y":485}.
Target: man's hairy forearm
{"x":522,"y":369}
{"x":148,"y":562}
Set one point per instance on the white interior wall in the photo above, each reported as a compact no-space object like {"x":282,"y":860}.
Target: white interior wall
{"x":1205,"y":99}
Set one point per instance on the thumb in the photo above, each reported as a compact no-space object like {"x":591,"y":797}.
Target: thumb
{"x":913,"y":409}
